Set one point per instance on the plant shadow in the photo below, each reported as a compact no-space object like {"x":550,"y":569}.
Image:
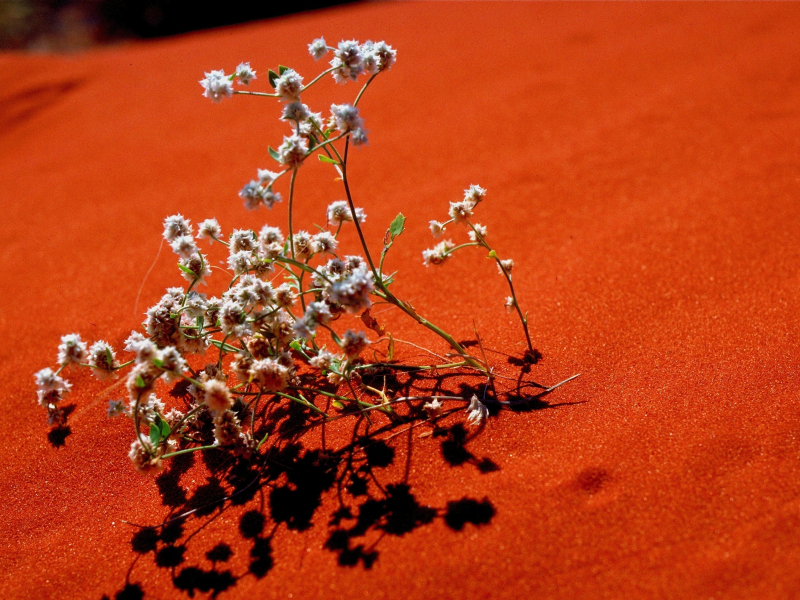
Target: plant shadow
{"x":360,"y":489}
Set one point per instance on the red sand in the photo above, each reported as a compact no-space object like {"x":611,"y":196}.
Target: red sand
{"x":642,"y":167}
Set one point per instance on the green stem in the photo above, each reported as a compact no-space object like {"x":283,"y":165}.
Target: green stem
{"x":188,"y":450}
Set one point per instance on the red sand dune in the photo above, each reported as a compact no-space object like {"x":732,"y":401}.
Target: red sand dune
{"x":642,"y":167}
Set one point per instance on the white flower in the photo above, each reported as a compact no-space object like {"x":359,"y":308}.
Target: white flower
{"x":145,"y":349}
{"x":433,"y":408}
{"x":481,"y":229}
{"x":505,"y":266}
{"x":176,"y":226}
{"x":386,"y":55}
{"x":461,"y":211}
{"x":171,"y":361}
{"x":289,"y":86}
{"x":284,"y":296}
{"x":233,"y":319}
{"x":295,"y":111}
{"x":144,"y":458}
{"x":324,"y":242}
{"x":359,"y":137}
{"x":348,"y":62}
{"x":217,"y":86}
{"x":318,"y":48}
{"x":198,"y":266}
{"x":241,"y":262}
{"x":266,"y":177}
{"x":354,"y":342}
{"x":509,"y":304}
{"x":302,"y":246}
{"x":345,"y":117}
{"x":209,"y":229}
{"x":437,"y":254}
{"x":48,"y":381}
{"x":352,"y":290}
{"x":269,"y":235}
{"x":71,"y":350}
{"x":115,"y":408}
{"x":477,"y":411}
{"x":242,"y":239}
{"x":184,"y":246}
{"x":101,"y":357}
{"x":244,"y":73}
{"x":437,"y":229}
{"x":322,"y":360}
{"x":293,"y":151}
{"x":474,"y":194}
{"x":196,"y":305}
{"x":339,"y":212}
{"x":269,"y":374}
{"x":216,"y":396}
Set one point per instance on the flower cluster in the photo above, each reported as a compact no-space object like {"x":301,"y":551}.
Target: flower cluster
{"x":259,"y":339}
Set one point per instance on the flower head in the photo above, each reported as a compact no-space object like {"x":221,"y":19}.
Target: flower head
{"x":48,"y":381}
{"x":353,"y":343}
{"x":176,"y":226}
{"x":474,"y":194}
{"x":339,"y":212}
{"x":144,"y":458}
{"x":437,"y":229}
{"x":217,"y":86}
{"x":318,"y":48}
{"x":244,"y":73}
{"x":216,"y":395}
{"x":289,"y":86}
{"x":505,"y":266}
{"x":71,"y":350}
{"x":345,"y":117}
{"x":293,"y":151}
{"x":437,"y":254}
{"x":295,"y":111}
{"x":461,"y":211}
{"x":101,"y":357}
{"x":269,"y":374}
{"x":348,"y":61}
{"x":209,"y":229}
{"x":480,"y":229}
{"x":477,"y":411}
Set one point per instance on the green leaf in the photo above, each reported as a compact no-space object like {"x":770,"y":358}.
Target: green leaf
{"x":274,"y":154}
{"x":187,"y":270}
{"x":158,"y":362}
{"x":109,"y":357}
{"x":326,"y":159}
{"x":492,"y":254}
{"x":397,"y":226}
{"x":163,"y":426}
{"x":282,"y":69}
{"x":311,"y":143}
{"x":296,"y":345}
{"x":337,"y":404}
{"x":140,"y":382}
{"x":155,"y":434}
{"x":272,"y":77}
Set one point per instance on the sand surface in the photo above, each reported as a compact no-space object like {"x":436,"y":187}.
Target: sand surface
{"x":642,"y":167}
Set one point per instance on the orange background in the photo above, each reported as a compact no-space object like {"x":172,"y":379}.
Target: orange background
{"x":642,"y":168}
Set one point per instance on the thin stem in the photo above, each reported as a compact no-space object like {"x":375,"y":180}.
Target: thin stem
{"x":188,"y":450}
{"x":317,"y":78}
{"x":244,"y":93}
